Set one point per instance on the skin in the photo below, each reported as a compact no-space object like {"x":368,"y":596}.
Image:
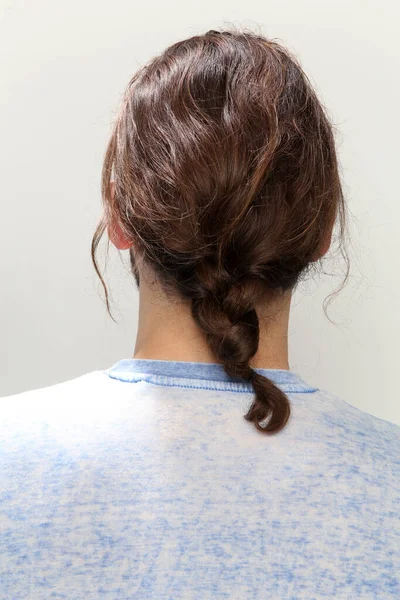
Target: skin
{"x":167,"y":331}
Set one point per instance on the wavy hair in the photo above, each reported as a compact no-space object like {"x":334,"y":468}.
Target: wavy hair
{"x":226,"y":177}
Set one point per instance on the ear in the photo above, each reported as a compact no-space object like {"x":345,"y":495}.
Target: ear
{"x":118,"y":237}
{"x":115,"y":232}
{"x":326,"y":244}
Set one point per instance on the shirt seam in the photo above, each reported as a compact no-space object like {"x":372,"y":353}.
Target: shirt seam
{"x":209,"y":386}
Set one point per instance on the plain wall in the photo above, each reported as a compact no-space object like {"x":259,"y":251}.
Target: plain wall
{"x":64,"y":66}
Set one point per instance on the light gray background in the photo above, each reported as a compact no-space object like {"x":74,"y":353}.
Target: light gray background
{"x":64,"y":66}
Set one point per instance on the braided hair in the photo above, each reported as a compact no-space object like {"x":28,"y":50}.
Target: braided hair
{"x":226,"y":178}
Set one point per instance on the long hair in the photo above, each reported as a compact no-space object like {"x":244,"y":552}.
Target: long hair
{"x":226,"y":178}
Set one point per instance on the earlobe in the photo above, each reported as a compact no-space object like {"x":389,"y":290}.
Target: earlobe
{"x":115,"y":232}
{"x":324,"y":247}
{"x":118,"y":238}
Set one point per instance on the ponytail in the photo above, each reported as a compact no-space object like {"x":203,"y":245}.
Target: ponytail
{"x":269,"y":402}
{"x":232,"y":332}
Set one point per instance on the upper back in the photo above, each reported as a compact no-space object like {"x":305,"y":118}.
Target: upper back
{"x":146,"y":481}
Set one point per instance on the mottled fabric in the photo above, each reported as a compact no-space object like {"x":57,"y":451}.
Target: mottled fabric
{"x":145,"y":481}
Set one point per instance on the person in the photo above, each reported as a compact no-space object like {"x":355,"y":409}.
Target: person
{"x":203,"y":466}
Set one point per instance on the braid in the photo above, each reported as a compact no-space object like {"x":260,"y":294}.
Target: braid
{"x":229,"y":320}
{"x":227,"y":180}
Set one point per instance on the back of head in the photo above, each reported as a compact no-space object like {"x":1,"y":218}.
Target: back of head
{"x":226,"y":179}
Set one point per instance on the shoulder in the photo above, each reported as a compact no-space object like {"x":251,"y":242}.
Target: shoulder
{"x":56,"y":388}
{"x":39,"y":402}
{"x":358,"y":430}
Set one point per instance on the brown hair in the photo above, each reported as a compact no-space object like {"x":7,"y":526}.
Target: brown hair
{"x":227,"y":180}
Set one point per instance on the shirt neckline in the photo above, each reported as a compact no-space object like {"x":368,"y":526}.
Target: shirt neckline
{"x":199,"y":375}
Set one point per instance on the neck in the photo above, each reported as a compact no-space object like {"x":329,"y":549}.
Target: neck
{"x":167,"y":331}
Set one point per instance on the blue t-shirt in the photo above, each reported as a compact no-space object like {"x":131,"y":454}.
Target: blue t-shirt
{"x":145,"y":482}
